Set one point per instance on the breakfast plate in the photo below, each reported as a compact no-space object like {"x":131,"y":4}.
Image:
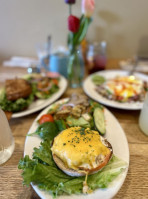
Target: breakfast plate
{"x":114,"y":134}
{"x":42,"y":103}
{"x":89,"y":89}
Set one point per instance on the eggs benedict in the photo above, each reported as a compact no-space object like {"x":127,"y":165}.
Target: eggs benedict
{"x":79,"y":151}
{"x":123,"y":89}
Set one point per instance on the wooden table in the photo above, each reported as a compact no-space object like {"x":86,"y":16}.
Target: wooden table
{"x":136,"y":183}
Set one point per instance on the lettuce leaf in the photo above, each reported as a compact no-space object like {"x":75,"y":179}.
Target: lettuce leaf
{"x":42,"y":171}
{"x":46,"y":131}
{"x":14,"y":106}
{"x":61,"y":125}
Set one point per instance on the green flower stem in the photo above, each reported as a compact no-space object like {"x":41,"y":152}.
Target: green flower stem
{"x":70,"y":9}
{"x":70,"y":67}
{"x":78,"y":67}
{"x":74,"y":39}
{"x":74,"y":67}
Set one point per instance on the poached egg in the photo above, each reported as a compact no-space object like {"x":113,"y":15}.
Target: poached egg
{"x":82,"y":150}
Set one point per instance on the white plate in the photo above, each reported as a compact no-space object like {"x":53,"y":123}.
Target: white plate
{"x":114,"y":134}
{"x":42,"y":103}
{"x":89,"y":89}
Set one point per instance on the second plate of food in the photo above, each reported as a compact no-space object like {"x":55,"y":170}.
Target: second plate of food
{"x":115,"y":88}
{"x":30,"y":93}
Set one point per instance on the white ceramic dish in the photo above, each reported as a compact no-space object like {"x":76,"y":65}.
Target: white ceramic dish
{"x":42,"y":103}
{"x":114,"y":134}
{"x":89,"y":89}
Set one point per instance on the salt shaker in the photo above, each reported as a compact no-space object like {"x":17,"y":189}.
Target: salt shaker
{"x":6,"y":139}
{"x":143,"y":119}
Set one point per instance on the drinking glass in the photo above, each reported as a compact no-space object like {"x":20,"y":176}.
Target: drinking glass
{"x":96,"y":57}
{"x":6,"y":139}
{"x":143,"y":122}
{"x":43,"y":52}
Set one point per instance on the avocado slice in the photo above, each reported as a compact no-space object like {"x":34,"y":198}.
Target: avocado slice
{"x":71,"y":121}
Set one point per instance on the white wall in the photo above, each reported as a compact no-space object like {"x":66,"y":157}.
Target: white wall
{"x":23,"y":23}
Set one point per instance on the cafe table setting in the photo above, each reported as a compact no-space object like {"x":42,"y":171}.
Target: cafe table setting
{"x":135,"y":184}
{"x":77,"y":131}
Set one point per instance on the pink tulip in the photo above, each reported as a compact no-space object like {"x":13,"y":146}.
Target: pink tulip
{"x":88,"y":7}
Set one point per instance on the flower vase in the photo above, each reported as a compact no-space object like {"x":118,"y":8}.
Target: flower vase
{"x":75,"y":69}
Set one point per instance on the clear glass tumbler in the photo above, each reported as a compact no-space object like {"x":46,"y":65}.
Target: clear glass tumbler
{"x":143,"y":119}
{"x":6,"y":139}
{"x":43,"y":52}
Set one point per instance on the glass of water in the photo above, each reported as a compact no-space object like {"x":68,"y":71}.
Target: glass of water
{"x":143,"y":122}
{"x":43,"y":52}
{"x":6,"y":139}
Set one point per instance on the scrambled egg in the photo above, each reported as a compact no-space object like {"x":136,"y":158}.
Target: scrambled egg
{"x":79,"y":147}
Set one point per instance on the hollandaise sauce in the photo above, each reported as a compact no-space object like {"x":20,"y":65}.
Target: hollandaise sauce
{"x":125,"y":87}
{"x":78,"y":147}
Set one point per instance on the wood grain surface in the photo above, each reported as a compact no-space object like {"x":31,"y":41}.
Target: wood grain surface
{"x":136,"y":182}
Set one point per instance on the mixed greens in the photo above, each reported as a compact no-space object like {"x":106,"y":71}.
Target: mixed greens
{"x":44,"y":86}
{"x":42,"y":171}
{"x":17,"y":105}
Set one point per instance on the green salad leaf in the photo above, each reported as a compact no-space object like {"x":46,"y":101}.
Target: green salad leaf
{"x":42,"y":171}
{"x":46,"y":131}
{"x":61,"y":125}
{"x":22,"y":103}
{"x":17,"y":105}
{"x":43,"y":95}
{"x":94,"y":105}
{"x":43,"y":153}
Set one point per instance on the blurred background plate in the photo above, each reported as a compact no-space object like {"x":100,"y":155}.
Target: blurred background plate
{"x":89,"y":89}
{"x":128,"y":65}
{"x":42,"y":103}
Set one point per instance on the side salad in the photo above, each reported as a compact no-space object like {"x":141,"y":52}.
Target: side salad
{"x":45,"y":86}
{"x":42,"y":171}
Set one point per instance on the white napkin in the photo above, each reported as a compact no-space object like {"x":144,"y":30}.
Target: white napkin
{"x":141,"y":67}
{"x":24,"y":62}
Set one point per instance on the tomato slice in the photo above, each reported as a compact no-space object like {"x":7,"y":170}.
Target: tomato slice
{"x":46,"y":118}
{"x":55,"y":81}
